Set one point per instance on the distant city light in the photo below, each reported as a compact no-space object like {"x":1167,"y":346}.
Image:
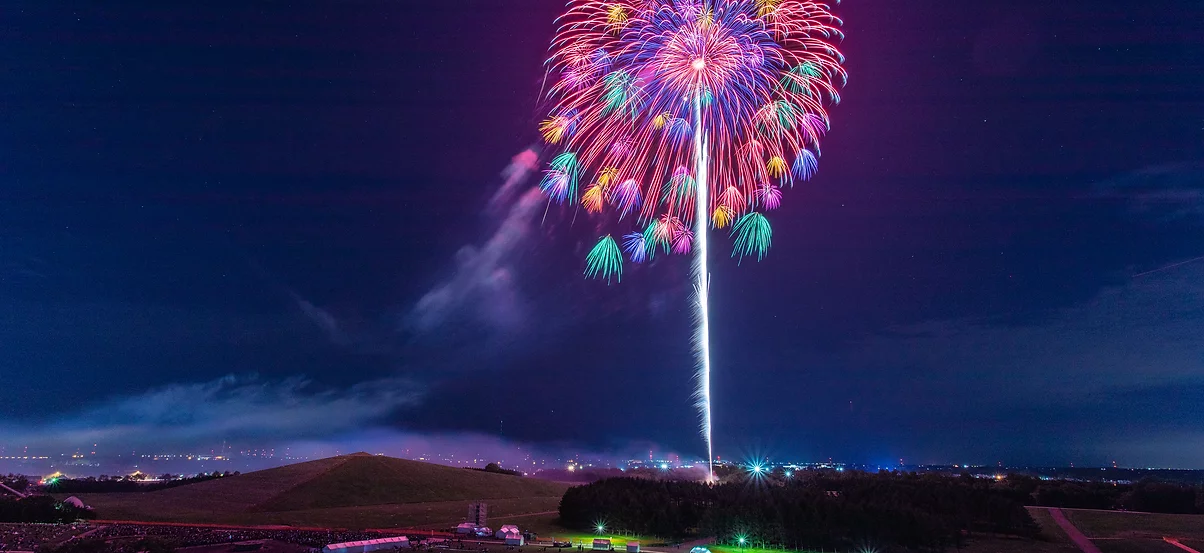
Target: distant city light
{"x":757,"y":469}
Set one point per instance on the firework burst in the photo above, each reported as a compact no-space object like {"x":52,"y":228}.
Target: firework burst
{"x":674,"y":117}
{"x":626,"y":74}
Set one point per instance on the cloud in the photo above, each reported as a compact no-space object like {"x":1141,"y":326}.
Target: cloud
{"x":292,"y":416}
{"x":1143,"y":333}
{"x":1126,"y":366}
{"x":322,"y":319}
{"x":235,"y":409}
{"x":482,"y":288}
{"x":1170,"y":192}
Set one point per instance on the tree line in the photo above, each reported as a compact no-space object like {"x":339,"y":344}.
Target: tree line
{"x":822,"y":510}
{"x":42,"y":508}
{"x":1149,"y":495}
{"x":121,"y":484}
{"x":497,"y":469}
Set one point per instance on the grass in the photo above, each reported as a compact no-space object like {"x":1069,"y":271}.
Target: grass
{"x":352,"y":491}
{"x":1111,"y":524}
{"x":1050,"y":531}
{"x":547,"y":526}
{"x":588,"y":539}
{"x":737,"y":549}
{"x":385,"y":480}
{"x":1014,"y":545}
{"x":1136,"y":546}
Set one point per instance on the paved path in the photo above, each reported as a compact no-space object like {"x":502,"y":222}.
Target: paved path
{"x":12,"y":491}
{"x":1175,"y":542}
{"x":1075,"y":535}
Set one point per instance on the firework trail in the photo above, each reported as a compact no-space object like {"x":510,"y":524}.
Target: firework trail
{"x":675,"y":117}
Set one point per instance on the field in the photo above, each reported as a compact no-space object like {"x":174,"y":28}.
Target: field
{"x":1136,"y":546}
{"x":1053,"y":539}
{"x":547,"y":527}
{"x":352,"y":491}
{"x":1051,"y":533}
{"x":1111,"y":524}
{"x":365,"y":491}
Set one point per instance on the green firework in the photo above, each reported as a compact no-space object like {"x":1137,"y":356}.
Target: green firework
{"x":753,"y":235}
{"x":620,"y":87}
{"x":652,"y":239}
{"x":605,"y":260}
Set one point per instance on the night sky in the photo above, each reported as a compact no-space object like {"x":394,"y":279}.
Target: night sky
{"x":310,"y":223}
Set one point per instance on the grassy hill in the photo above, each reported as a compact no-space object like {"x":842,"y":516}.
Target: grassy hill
{"x":351,"y":490}
{"x":371,"y":480}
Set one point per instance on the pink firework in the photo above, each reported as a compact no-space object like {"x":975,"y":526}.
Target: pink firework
{"x":645,"y":89}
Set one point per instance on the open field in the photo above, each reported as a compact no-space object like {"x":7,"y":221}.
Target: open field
{"x":373,"y":480}
{"x":729,"y":549}
{"x":1136,"y":546}
{"x":1051,"y":533}
{"x":546,"y":526}
{"x":1114,"y":524}
{"x":1198,"y":545}
{"x":352,"y":491}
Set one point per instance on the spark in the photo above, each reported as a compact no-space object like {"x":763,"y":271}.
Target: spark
{"x":1171,"y":266}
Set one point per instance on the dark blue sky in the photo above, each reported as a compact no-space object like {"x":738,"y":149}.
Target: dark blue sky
{"x":273,"y":224}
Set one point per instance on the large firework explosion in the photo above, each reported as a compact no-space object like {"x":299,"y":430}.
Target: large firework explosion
{"x":678,"y":116}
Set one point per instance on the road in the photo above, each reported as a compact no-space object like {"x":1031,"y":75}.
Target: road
{"x":1176,"y":543}
{"x":1075,"y":535}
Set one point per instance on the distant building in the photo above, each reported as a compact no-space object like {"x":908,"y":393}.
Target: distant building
{"x":478,"y":513}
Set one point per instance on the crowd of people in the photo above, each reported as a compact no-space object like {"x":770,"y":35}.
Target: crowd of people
{"x":26,"y":537}
{"x":188,"y":536}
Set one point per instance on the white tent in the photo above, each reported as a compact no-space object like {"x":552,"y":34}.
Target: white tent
{"x":465,"y":528}
{"x":365,"y":546}
{"x":633,"y":546}
{"x":506,"y":529}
